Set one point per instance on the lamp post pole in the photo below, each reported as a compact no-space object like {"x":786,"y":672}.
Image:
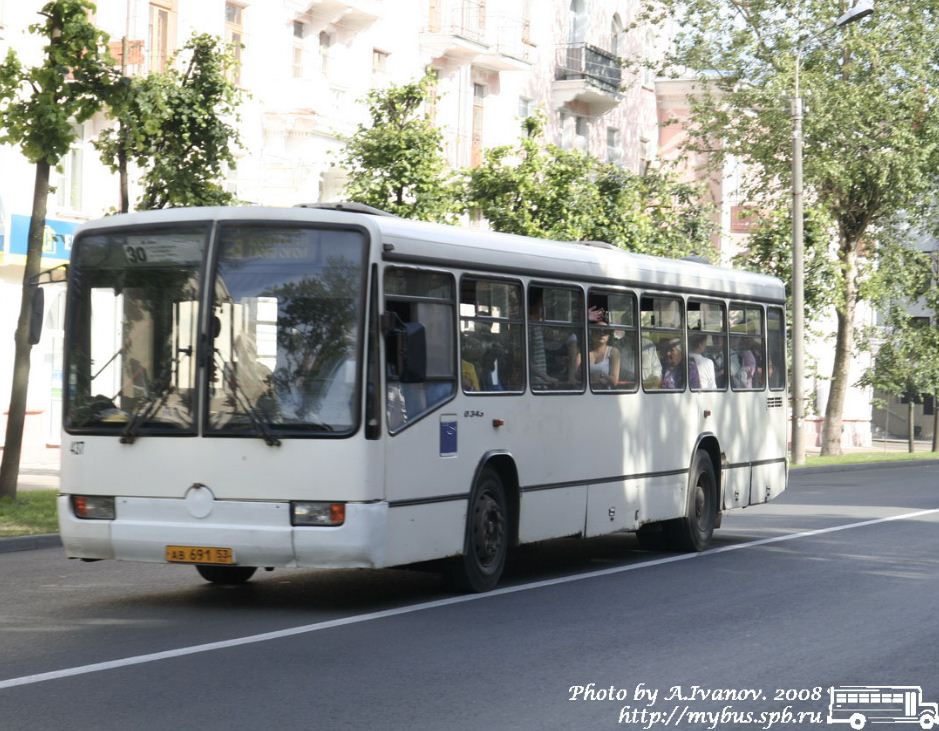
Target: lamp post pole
{"x":798,"y":274}
{"x":860,"y":10}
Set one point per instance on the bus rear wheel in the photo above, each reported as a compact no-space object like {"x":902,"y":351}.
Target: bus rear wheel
{"x":857,"y":721}
{"x":226,"y":575}
{"x":694,"y":531}
{"x":486,"y":540}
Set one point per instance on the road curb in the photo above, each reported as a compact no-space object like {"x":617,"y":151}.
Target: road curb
{"x":822,"y":469}
{"x":30,"y":543}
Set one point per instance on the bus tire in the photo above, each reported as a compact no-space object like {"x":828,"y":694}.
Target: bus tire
{"x":225,"y":575}
{"x":694,"y":531}
{"x":857,"y":721}
{"x":486,"y":540}
{"x":927,"y":721}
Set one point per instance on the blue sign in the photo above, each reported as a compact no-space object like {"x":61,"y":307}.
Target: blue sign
{"x":56,"y":238}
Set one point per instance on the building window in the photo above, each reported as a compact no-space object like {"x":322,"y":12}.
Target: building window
{"x":299,"y":31}
{"x":616,"y":36}
{"x":67,"y":180}
{"x":581,"y":132}
{"x":325,"y":44}
{"x":234,"y":34}
{"x":379,"y":62}
{"x":614,"y":148}
{"x":524,"y":107}
{"x":161,"y":32}
{"x":476,"y":150}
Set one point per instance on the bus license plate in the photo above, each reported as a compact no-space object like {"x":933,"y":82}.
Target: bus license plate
{"x":199,"y":554}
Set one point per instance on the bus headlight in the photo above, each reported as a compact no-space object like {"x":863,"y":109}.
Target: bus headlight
{"x":93,"y":507}
{"x":317,"y":513}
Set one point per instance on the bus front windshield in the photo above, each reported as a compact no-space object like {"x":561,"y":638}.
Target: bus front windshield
{"x":132,"y":332}
{"x":277,"y":354}
{"x":286,"y":313}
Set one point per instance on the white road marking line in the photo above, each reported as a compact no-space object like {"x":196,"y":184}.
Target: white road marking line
{"x":372,"y":616}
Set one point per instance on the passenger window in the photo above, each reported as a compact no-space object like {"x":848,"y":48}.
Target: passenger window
{"x":420,"y":343}
{"x":613,"y":341}
{"x":555,"y":338}
{"x":492,"y":336}
{"x":776,"y":349}
{"x":747,"y":348}
{"x":661,"y":346}
{"x":707,"y":346}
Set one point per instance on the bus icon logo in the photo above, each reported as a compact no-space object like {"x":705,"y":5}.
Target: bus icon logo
{"x":858,"y":705}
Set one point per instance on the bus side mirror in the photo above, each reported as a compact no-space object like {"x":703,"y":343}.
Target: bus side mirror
{"x":37,"y":308}
{"x":409,"y":351}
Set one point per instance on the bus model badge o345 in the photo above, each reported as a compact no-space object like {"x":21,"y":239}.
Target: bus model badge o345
{"x":305,"y":387}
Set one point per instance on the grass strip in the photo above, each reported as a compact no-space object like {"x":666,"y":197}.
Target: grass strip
{"x":866,"y":457}
{"x":30,"y":513}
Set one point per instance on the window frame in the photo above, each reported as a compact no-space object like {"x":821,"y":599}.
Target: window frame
{"x":725,"y":332}
{"x":731,"y":335}
{"x":682,"y":334}
{"x":634,"y":329}
{"x":521,"y":321}
{"x":455,"y":324}
{"x":582,"y":324}
{"x":784,"y":369}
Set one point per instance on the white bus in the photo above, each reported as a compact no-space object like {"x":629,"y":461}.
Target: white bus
{"x":305,"y":387}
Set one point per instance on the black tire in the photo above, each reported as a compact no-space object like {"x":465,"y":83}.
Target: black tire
{"x":227,"y":575}
{"x":694,"y":531}
{"x":486,"y":540}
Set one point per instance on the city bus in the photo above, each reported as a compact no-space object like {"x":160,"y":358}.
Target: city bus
{"x":329,"y":387}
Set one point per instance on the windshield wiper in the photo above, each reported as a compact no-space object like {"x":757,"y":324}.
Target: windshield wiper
{"x":261,"y":427}
{"x":145,"y":411}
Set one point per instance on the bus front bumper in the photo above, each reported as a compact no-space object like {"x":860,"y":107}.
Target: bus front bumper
{"x":258,"y":533}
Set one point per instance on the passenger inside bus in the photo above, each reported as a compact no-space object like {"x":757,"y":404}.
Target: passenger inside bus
{"x":603,"y":360}
{"x":673,"y":371}
{"x":701,"y":374}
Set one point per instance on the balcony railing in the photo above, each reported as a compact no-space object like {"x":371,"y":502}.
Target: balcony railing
{"x":592,"y":64}
{"x":464,"y":19}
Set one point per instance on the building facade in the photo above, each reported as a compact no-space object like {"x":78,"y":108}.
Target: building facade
{"x":306,"y":66}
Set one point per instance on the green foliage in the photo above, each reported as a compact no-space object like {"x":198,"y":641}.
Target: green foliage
{"x":769,"y":251}
{"x":39,"y":105}
{"x":548,"y":192}
{"x":177,"y":127}
{"x":396,"y":163}
{"x":907,"y":360}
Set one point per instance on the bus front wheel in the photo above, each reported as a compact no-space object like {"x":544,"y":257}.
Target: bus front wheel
{"x":694,"y":531}
{"x":227,"y":575}
{"x":927,"y":721}
{"x":486,"y":539}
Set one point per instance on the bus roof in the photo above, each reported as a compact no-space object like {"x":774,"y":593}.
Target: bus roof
{"x":418,"y":242}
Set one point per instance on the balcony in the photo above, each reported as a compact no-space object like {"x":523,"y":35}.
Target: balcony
{"x":457,"y":31}
{"x":507,"y":50}
{"x":589,"y":75}
{"x":353,"y":14}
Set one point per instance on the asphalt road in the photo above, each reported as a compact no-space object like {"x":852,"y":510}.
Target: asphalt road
{"x":812,"y":591}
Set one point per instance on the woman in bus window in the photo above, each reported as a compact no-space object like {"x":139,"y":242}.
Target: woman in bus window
{"x":603,"y":360}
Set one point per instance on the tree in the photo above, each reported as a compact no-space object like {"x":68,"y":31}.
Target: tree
{"x":871,"y":129}
{"x":176,"y":127}
{"x":541,"y":190}
{"x":38,"y":108}
{"x":395,"y":163}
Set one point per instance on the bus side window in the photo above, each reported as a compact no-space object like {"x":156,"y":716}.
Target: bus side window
{"x":776,"y":349}
{"x":556,"y":338}
{"x":707,"y":346}
{"x":662,"y":345}
{"x":426,"y":298}
{"x":492,"y":336}
{"x":747,"y":348}
{"x":613,"y":352}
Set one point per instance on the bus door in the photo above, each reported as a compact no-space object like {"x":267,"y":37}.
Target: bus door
{"x":427,"y":477}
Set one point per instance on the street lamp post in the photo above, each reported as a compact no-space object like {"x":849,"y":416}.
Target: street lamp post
{"x":860,"y":10}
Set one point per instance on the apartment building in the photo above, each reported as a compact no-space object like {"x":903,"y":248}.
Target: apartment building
{"x":306,"y":66}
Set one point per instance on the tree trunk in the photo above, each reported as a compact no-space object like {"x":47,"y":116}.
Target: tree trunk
{"x":122,"y":165}
{"x":910,"y":425}
{"x":935,"y":423}
{"x":844,"y":349}
{"x":13,"y":444}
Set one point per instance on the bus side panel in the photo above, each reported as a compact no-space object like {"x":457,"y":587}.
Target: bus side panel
{"x":422,"y":532}
{"x":662,"y":498}
{"x":769,"y":480}
{"x":552,"y":513}
{"x":736,"y":486}
{"x":611,"y":508}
